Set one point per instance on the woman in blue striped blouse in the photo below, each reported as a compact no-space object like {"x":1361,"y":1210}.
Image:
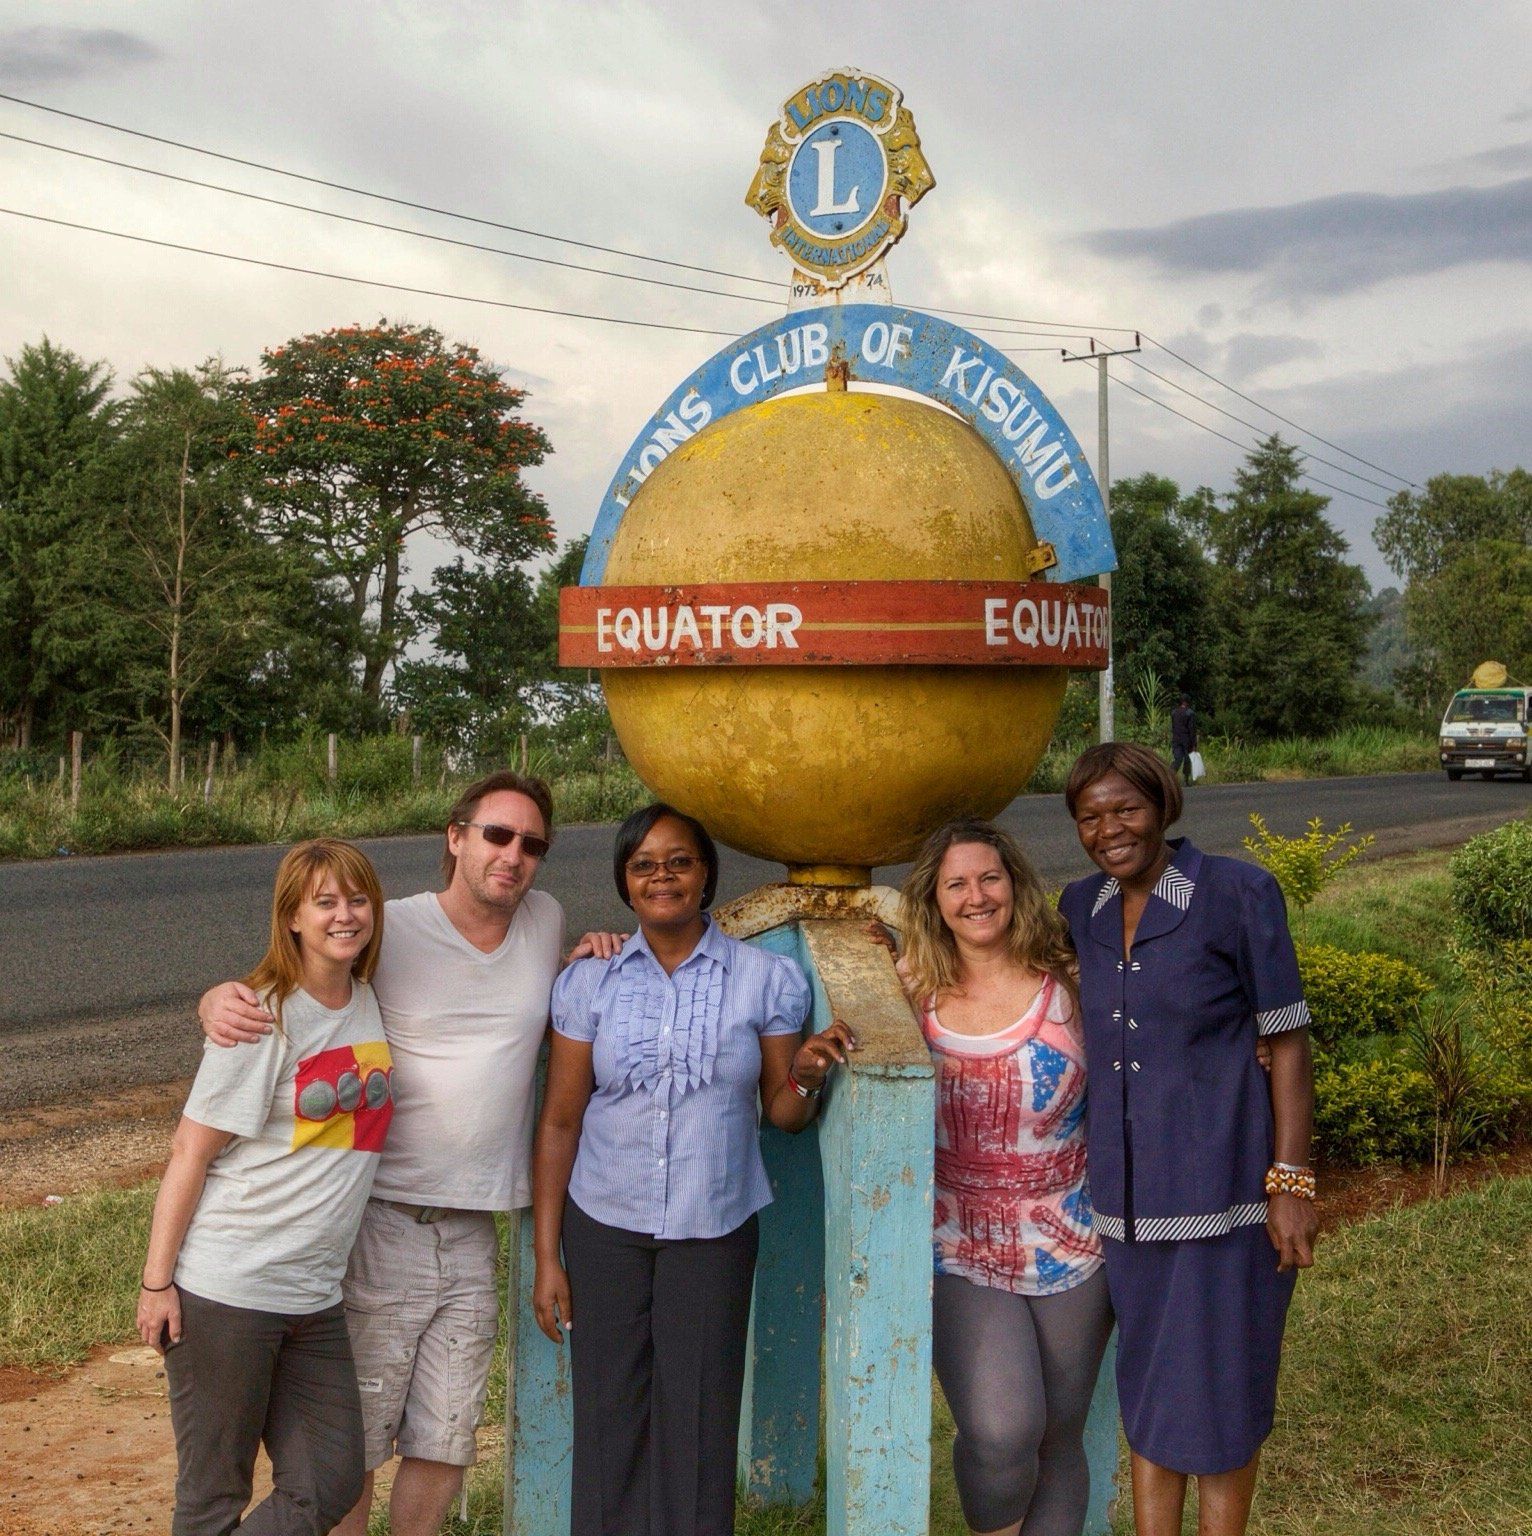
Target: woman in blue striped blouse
{"x":646,"y":1180}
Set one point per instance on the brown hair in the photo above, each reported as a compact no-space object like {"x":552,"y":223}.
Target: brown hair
{"x":280,"y":971}
{"x":1038,"y":937}
{"x":492,"y":783}
{"x":1146,"y":771}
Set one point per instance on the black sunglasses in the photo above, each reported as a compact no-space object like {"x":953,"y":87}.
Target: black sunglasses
{"x":502,"y":837}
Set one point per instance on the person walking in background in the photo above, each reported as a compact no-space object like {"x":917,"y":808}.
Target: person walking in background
{"x":647,"y":1176}
{"x":1020,"y":1312}
{"x":1199,"y":1169}
{"x":463,"y":985}
{"x":1183,"y":737}
{"x":268,"y":1176}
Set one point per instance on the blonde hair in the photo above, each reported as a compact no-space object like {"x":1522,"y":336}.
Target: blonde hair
{"x":280,"y":971}
{"x":1038,"y":936}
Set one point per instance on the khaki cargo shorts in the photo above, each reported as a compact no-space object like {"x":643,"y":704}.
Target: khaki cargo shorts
{"x":422,"y":1312}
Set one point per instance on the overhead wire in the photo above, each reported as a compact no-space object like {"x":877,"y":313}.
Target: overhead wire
{"x":1054,"y":327}
{"x":1286,"y":420}
{"x":369,"y":282}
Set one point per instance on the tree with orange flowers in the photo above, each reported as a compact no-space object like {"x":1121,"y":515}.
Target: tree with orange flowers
{"x":368,"y":435}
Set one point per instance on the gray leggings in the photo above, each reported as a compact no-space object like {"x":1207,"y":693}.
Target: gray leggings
{"x":1018,"y":1372}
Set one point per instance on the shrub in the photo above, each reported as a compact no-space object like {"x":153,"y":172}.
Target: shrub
{"x":1303,"y":866}
{"x":1492,"y":887}
{"x":1371,"y":1111}
{"x":1352,"y":995}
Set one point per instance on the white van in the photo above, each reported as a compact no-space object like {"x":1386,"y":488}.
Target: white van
{"x":1485,"y":731}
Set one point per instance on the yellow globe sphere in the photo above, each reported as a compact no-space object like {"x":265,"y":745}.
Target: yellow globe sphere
{"x":830,"y":769}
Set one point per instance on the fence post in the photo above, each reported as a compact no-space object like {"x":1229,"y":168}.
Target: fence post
{"x":76,"y":763}
{"x":212,"y":763}
{"x":415,"y":758}
{"x":63,"y":770}
{"x":331,"y":763}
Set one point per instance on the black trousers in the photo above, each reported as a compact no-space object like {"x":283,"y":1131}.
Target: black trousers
{"x":658,"y":1357}
{"x":240,"y":1377}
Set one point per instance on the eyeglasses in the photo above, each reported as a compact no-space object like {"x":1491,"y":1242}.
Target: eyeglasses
{"x":502,"y":837}
{"x":677,"y":864}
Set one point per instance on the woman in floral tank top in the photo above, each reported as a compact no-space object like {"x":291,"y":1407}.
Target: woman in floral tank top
{"x":1020,"y":1314}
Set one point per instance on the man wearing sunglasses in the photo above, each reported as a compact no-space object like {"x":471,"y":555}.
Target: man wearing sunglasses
{"x":462,"y":983}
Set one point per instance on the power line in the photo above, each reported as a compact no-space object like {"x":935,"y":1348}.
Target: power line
{"x":384,"y":197}
{"x":1286,"y":420}
{"x":536,"y":234}
{"x":1244,"y":447}
{"x":398,"y":229}
{"x":1254,"y":426}
{"x":366,"y":282}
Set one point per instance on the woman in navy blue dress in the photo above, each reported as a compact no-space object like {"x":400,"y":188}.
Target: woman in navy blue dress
{"x":1198,"y":1164}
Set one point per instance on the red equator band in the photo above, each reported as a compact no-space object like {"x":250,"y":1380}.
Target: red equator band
{"x":835,"y":623}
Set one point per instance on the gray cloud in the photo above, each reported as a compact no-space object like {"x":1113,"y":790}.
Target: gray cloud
{"x":31,"y":56}
{"x":1338,"y":244}
{"x":1249,"y":353}
{"x":1503,"y":160}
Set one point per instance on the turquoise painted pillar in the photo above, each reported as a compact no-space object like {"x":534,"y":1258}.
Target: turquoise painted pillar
{"x":876,"y":1147}
{"x":539,"y":1423}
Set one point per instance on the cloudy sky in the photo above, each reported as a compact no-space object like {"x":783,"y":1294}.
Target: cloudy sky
{"x":1326,"y":205}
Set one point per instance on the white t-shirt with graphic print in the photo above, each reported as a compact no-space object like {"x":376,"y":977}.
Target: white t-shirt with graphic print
{"x":309,"y":1109}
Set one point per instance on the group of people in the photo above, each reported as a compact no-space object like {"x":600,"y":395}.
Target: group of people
{"x":321,"y":1266}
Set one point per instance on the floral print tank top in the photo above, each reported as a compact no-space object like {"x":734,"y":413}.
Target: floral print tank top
{"x":1012,"y":1207}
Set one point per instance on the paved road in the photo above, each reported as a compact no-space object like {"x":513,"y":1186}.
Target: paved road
{"x":100,"y":958}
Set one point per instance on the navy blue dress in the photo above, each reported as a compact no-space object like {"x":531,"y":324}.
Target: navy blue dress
{"x":1179,"y":1138}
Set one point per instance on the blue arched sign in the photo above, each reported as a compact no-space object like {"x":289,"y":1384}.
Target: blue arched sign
{"x":886,"y":344}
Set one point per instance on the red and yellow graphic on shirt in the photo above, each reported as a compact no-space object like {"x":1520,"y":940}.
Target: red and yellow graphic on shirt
{"x":344,"y":1098}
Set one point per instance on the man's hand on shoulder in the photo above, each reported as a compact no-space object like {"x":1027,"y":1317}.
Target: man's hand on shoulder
{"x":231,"y":1014}
{"x":600,"y":945}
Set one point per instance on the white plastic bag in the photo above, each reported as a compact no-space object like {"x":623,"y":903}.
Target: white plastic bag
{"x":1199,"y":768}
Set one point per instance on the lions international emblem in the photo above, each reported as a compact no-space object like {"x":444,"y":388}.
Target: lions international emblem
{"x":840,"y":169}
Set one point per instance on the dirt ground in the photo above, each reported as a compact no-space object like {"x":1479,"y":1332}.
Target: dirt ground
{"x":91,"y":1453}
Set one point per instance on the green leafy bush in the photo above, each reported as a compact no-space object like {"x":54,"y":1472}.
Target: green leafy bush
{"x":1492,"y":887}
{"x":1352,"y":995}
{"x":1303,"y":866}
{"x":1374,"y":1110}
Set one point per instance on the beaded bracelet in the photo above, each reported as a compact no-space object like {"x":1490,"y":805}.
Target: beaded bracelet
{"x":1285,"y":1179}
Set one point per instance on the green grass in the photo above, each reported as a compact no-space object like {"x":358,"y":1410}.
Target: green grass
{"x":119,"y":813}
{"x":69,"y":1276}
{"x":1400,"y":906}
{"x":1230,"y":760}
{"x":1404,"y":1406}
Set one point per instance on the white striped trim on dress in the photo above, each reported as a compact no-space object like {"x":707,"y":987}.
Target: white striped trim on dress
{"x":1179,"y":1229}
{"x":1105,"y":894}
{"x":1277,"y":1021}
{"x":1175,"y":888}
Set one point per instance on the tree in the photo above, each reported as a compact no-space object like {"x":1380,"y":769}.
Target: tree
{"x":174,"y":581}
{"x":370,"y":435}
{"x":1289,"y":605}
{"x":1160,"y":591}
{"x":1464,"y":546}
{"x":54,"y":417}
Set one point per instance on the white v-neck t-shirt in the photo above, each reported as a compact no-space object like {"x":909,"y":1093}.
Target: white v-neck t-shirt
{"x":464,"y":1028}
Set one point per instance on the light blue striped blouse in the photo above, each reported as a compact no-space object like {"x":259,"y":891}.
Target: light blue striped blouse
{"x":670,"y":1143}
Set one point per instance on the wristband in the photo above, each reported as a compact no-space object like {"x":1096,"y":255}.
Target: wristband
{"x":144,"y":1285}
{"x":801,"y":1091}
{"x":1284,"y":1179}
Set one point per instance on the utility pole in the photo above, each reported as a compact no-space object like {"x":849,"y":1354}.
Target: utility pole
{"x":1107,"y":696}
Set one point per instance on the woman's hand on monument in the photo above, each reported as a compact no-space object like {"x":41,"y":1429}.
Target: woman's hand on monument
{"x":231,"y":1014}
{"x":550,"y":1301}
{"x":819,"y":1054}
{"x":881,"y":934}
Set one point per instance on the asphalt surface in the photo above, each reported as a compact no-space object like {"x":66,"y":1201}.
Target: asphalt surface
{"x":101,"y":959}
